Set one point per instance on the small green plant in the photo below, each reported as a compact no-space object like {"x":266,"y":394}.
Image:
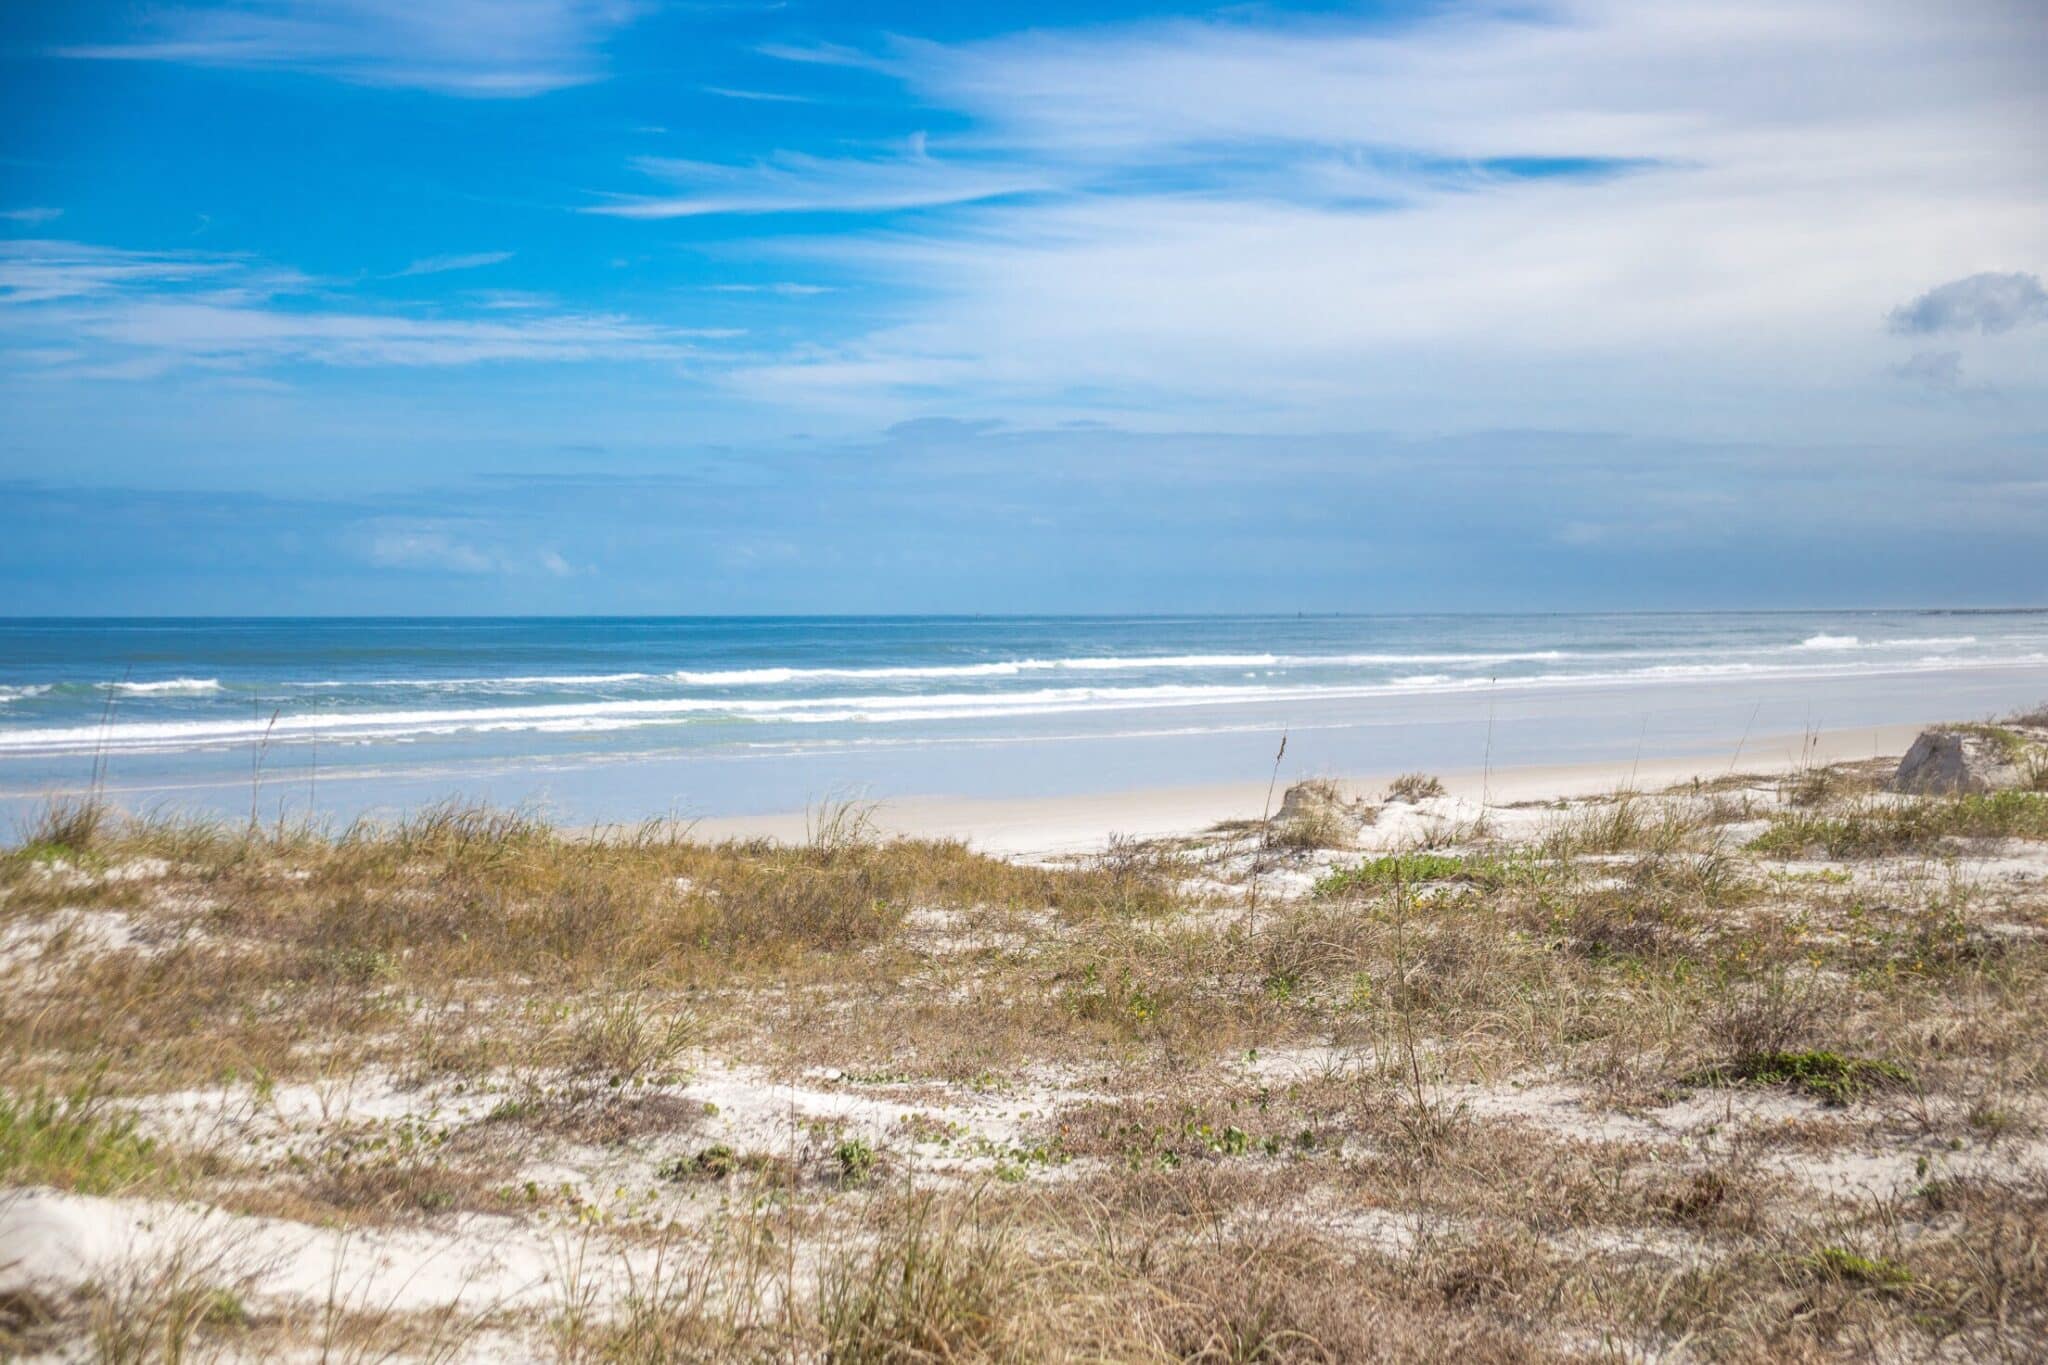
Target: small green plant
{"x":857,"y":1161}
{"x":1283,"y":986}
{"x":1826,"y":1076}
{"x":1410,"y":869}
{"x":72,"y":1143}
{"x":715,"y":1162}
{"x":2012,"y":746}
{"x":1231,"y":1142}
{"x":356,"y":966}
{"x":1877,"y":828}
{"x":1842,"y":1265}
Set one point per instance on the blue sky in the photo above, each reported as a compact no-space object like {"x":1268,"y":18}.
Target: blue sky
{"x":633,"y":306}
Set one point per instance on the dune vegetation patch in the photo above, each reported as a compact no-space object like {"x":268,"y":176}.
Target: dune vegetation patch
{"x":1492,"y":1087}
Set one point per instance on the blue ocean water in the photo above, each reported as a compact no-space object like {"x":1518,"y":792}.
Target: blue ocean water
{"x":760,"y":712}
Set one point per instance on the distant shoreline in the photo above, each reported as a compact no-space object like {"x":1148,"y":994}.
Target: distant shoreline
{"x":1029,"y":826}
{"x":1054,"y":824}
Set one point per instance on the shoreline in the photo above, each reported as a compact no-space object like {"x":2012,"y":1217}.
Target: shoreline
{"x":1029,"y":782}
{"x":1035,"y":825}
{"x":1080,"y":821}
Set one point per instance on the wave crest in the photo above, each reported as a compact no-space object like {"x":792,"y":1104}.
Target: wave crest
{"x":166,"y":687}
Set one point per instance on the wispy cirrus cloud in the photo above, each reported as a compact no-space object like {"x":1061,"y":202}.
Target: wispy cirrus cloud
{"x":109,"y":314}
{"x":1535,"y":211}
{"x":34,"y":214}
{"x":756,"y":96}
{"x":440,"y":265}
{"x":457,"y":547}
{"x":208,"y":332}
{"x":475,"y":48}
{"x":786,"y":288}
{"x":794,"y":182}
{"x":37,"y":271}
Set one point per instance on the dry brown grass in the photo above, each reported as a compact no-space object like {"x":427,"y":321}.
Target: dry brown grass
{"x":1390,"y":1192}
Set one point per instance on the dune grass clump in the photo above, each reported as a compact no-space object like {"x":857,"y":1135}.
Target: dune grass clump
{"x":1841,"y":1264}
{"x":1318,"y":829}
{"x":1826,"y":1076}
{"x":1129,"y":880}
{"x":1413,"y":787}
{"x":1764,"y":1029}
{"x":1819,"y":785}
{"x":1317,"y":814}
{"x":65,"y":827}
{"x":1878,"y":828}
{"x":70,"y":1141}
{"x":1610,"y":928}
{"x":937,"y":1284}
{"x":181,"y":1304}
{"x":1411,"y":869}
{"x":1628,"y":822}
{"x":383,"y":937}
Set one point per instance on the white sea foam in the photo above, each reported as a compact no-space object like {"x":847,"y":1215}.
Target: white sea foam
{"x":167,"y":687}
{"x":1910,"y":642}
{"x":792,"y":675}
{"x":889,"y":708}
{"x":995,"y":668}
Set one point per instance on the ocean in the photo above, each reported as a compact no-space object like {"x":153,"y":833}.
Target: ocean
{"x":613,"y":718}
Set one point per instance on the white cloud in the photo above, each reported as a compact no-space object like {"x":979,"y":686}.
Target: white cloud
{"x":263,"y":335}
{"x":1941,"y":371}
{"x":455,"y":547}
{"x":1580,"y":214}
{"x":423,"y":549}
{"x":31,"y":215}
{"x":437,"y":265}
{"x":792,"y":182}
{"x":478,"y":48}
{"x":139,"y":315}
{"x":36,"y":271}
{"x":1989,"y":303}
{"x":758,"y":96}
{"x":786,"y":288}
{"x":512,"y":300}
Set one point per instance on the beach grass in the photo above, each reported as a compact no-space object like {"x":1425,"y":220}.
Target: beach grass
{"x":1497,"y":1089}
